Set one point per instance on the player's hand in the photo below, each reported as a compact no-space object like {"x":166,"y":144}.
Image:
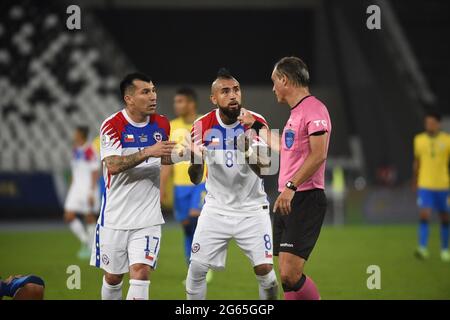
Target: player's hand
{"x":160,"y":149}
{"x":196,"y":150}
{"x":246,"y":118}
{"x":283,"y":202}
{"x":243,"y":142}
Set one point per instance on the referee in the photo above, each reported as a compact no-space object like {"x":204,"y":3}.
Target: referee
{"x":303,"y":148}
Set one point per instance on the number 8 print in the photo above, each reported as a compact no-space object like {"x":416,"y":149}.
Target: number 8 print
{"x":229,"y":159}
{"x":267,"y":242}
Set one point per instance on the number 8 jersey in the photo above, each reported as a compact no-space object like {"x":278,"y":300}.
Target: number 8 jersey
{"x":232,"y":186}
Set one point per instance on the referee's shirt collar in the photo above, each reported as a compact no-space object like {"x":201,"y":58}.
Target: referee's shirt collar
{"x":298,"y":103}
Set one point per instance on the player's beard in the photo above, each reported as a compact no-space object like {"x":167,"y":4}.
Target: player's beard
{"x":231,"y":114}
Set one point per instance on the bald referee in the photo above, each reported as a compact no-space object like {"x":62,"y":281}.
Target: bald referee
{"x":303,"y":147}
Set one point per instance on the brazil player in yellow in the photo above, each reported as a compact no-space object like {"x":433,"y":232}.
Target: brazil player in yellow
{"x":188,"y":198}
{"x":431,"y":178}
{"x":101,"y":181}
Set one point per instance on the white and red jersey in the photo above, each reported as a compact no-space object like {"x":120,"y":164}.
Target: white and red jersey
{"x":232,"y":187}
{"x":84,"y":162}
{"x":132,"y":197}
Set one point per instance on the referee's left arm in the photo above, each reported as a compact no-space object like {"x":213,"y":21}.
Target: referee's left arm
{"x":316,"y":157}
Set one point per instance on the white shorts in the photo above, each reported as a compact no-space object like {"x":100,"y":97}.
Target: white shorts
{"x":78,"y":201}
{"x":253,"y":234}
{"x":115,"y":250}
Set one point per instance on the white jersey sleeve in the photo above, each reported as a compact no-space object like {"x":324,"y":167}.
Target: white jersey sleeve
{"x":110,"y":144}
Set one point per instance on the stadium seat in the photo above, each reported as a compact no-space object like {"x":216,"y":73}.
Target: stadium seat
{"x":49,"y":75}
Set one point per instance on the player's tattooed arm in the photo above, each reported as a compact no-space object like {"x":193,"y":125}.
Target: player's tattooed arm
{"x":167,"y":160}
{"x":118,"y":164}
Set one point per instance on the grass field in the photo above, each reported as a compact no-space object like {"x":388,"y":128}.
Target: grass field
{"x":338,"y":265}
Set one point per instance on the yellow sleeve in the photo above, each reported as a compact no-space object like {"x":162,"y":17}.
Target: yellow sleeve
{"x":96,"y":144}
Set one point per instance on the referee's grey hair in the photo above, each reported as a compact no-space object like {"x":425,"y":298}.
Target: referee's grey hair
{"x":294,"y":69}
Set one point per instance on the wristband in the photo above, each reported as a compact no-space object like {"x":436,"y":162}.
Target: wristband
{"x":257,"y":126}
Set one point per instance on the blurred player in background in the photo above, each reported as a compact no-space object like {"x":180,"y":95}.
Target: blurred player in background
{"x":236,"y":205}
{"x":101,"y":181}
{"x":188,"y":198}
{"x":302,"y":203}
{"x":431,"y":179}
{"x":19,"y":287}
{"x":82,"y":197}
{"x":128,"y":233}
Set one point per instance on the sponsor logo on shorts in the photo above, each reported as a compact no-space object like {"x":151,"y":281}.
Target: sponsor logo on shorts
{"x":289,"y":245}
{"x":268,"y":254}
{"x":195,"y":247}
{"x":105,"y":259}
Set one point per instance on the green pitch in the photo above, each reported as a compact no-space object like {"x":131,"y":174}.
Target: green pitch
{"x":338,"y":265}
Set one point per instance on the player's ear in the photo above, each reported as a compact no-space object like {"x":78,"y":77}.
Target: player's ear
{"x":284,"y":80}
{"x":128,"y":99}
{"x":213,"y":99}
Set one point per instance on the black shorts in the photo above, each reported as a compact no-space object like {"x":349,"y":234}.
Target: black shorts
{"x":297,"y":232}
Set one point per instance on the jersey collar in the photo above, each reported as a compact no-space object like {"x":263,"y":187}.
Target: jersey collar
{"x":136,"y":124}
{"x":230,"y":126}
{"x":298,"y":103}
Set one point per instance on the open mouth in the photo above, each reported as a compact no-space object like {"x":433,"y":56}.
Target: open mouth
{"x":233,"y":105}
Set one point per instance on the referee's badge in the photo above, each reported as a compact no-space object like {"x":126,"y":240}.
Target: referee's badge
{"x":289,"y":137}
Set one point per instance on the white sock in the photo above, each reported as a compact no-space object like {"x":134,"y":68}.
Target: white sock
{"x":268,"y":286}
{"x":78,"y":229}
{"x":111,"y":292}
{"x":138,"y":290}
{"x":196,"y":281}
{"x":90,"y":231}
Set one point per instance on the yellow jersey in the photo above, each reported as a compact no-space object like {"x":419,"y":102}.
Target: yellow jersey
{"x":96,"y":145}
{"x":433,"y":154}
{"x":178,"y":131}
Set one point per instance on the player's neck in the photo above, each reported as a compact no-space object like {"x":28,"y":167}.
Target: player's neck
{"x":225,"y":119}
{"x":135,"y":116}
{"x":433,"y":134}
{"x":296,"y":96}
{"x":189,"y":118}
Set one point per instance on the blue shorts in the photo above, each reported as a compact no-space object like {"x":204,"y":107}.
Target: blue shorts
{"x":187,"y":198}
{"x":433,"y":199}
{"x":11,"y":288}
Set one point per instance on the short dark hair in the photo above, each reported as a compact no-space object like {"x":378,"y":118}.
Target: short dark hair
{"x":294,"y":69}
{"x":187,"y":92}
{"x":127,"y":81}
{"x":224,"y":73}
{"x":84,"y":130}
{"x":434,"y":114}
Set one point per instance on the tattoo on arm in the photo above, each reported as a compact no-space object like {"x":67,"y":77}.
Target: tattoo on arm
{"x":166,"y":160}
{"x":118,"y":164}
